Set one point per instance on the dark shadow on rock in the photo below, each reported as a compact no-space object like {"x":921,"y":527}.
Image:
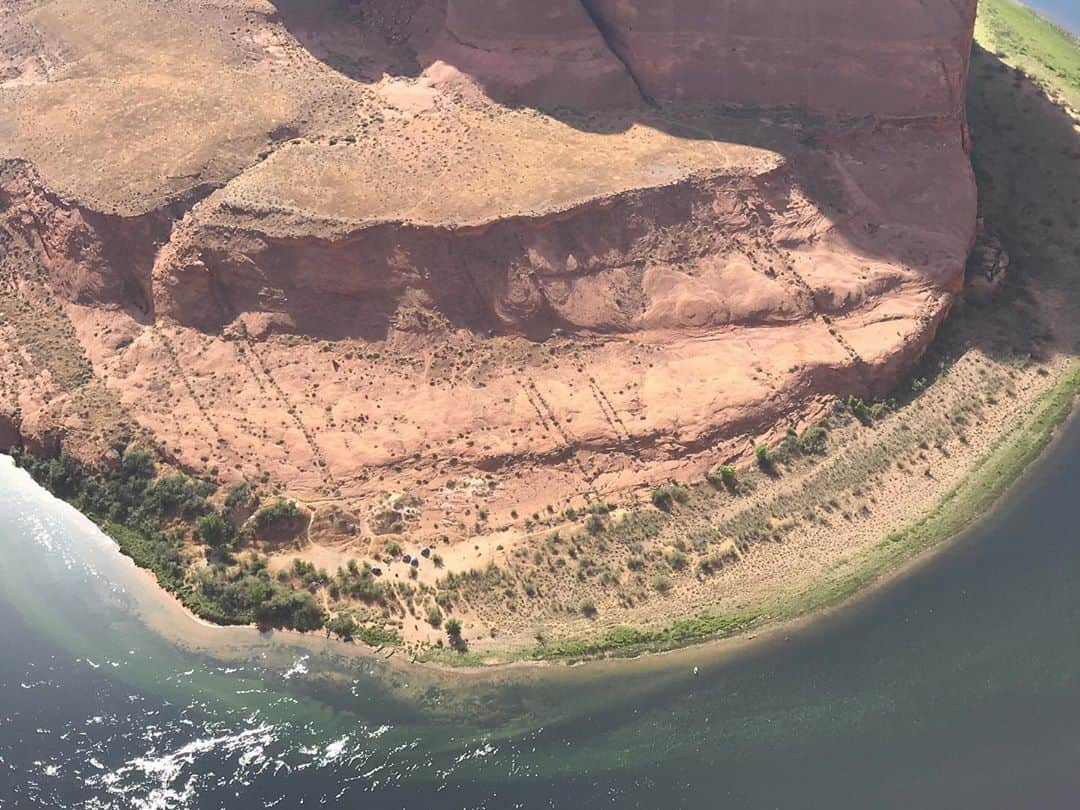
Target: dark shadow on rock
{"x":365,"y":40}
{"x":361,"y":39}
{"x":1026,"y":156}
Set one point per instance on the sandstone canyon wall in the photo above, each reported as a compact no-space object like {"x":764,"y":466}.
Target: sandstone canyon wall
{"x":906,"y":58}
{"x":323,"y":252}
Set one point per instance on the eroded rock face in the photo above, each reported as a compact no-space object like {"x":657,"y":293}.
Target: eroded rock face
{"x":542,"y":54}
{"x":905,"y":58}
{"x":324,"y":252}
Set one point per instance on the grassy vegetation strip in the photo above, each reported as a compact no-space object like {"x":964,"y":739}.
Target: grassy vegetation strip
{"x":1043,"y":49}
{"x":150,"y":516}
{"x":957,"y":510}
{"x":47,"y":335}
{"x":960,"y":507}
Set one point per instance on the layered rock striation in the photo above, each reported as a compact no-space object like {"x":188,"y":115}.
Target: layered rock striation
{"x":558,"y":249}
{"x":902,"y":59}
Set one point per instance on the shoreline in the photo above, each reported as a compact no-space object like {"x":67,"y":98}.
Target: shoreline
{"x":962,"y":509}
{"x":1048,"y":18}
{"x":821,"y":532}
{"x":959,"y":511}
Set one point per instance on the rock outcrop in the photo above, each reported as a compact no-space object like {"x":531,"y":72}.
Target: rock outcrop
{"x":541,"y":54}
{"x":323,"y":251}
{"x":903,"y":59}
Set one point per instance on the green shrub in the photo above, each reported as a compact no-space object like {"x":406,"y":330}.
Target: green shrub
{"x":714,"y":562}
{"x":137,"y":465}
{"x":677,"y":560}
{"x":175,"y":495}
{"x":814,"y":441}
{"x":240,"y":501}
{"x":375,"y":636}
{"x":665,"y":497}
{"x":361,"y":584}
{"x":295,"y":610}
{"x":309,"y":575}
{"x":453,"y":629}
{"x":280,"y":509}
{"x":763,"y":456}
{"x":476,"y":580}
{"x":595,"y":524}
{"x":867,"y":414}
{"x":214,"y":530}
{"x":434,"y":616}
{"x":344,"y":627}
{"x":724,"y":476}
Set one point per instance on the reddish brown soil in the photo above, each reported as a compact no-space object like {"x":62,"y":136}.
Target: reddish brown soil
{"x":310,"y":244}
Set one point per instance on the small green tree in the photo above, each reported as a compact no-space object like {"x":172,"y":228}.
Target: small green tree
{"x":241,"y":496}
{"x":214,"y":530}
{"x":764,"y":457}
{"x":453,"y":630}
{"x":344,"y":627}
{"x":867,"y":414}
{"x":295,"y":610}
{"x":724,"y":476}
{"x":664,"y":498}
{"x":814,"y":441}
{"x":677,"y":560}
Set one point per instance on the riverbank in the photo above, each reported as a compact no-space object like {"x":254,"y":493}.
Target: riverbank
{"x":1003,"y":376}
{"x":741,"y":550}
{"x":1046,"y":52}
{"x":960,"y":507}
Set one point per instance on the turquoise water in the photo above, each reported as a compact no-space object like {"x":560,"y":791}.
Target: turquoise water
{"x":957,"y":686}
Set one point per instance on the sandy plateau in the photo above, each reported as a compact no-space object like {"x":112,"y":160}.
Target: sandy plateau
{"x":481,"y":278}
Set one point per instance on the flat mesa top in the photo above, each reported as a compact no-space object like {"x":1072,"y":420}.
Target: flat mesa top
{"x":474,"y":168}
{"x":136,"y":105}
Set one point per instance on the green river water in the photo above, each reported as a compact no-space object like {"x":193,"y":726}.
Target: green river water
{"x":956,"y":686}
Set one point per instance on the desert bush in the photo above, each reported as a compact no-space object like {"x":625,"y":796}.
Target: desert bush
{"x":595,"y":524}
{"x":344,"y":627}
{"x":814,"y":441}
{"x":677,"y":560}
{"x":175,"y":495}
{"x":664,"y":498}
{"x":866,"y":414}
{"x":214,"y":530}
{"x":280,"y":509}
{"x":724,"y":476}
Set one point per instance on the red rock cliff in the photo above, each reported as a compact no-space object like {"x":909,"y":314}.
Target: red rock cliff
{"x":905,"y":58}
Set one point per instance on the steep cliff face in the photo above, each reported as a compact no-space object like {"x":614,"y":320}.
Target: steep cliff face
{"x":541,"y":54}
{"x":323,"y":252}
{"x":905,"y":59}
